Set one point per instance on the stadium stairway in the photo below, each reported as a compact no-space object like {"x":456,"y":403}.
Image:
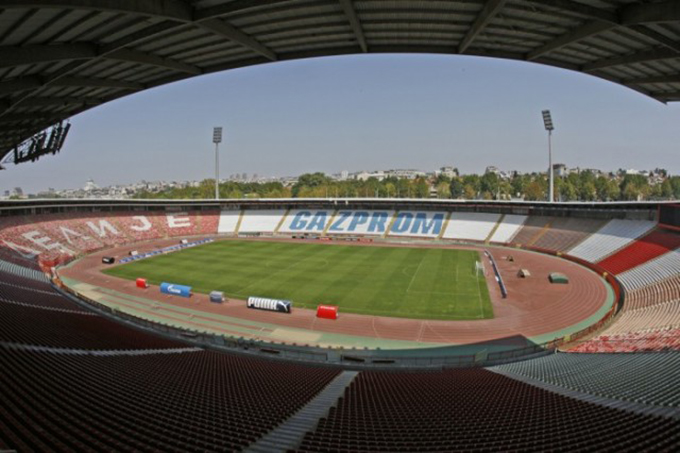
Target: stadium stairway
{"x":289,"y":434}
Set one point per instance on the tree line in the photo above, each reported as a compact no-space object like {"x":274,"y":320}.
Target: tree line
{"x":583,"y":186}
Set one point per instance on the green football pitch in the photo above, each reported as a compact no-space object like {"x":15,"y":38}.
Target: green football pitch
{"x":427,"y":283}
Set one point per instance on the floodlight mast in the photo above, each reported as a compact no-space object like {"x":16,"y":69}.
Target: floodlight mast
{"x":547,"y":122}
{"x":217,"y":139}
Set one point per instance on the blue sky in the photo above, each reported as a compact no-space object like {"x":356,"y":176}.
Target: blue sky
{"x":362,"y":112}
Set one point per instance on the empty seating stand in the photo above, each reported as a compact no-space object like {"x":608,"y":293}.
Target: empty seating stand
{"x":649,"y":321}
{"x":72,"y":380}
{"x":649,"y":378}
{"x":652,"y":318}
{"x":471,"y":226}
{"x":260,"y":221}
{"x":24,"y":291}
{"x":666,"y":266}
{"x":642,"y":250}
{"x":185,"y":402}
{"x":35,"y":325}
{"x":565,"y":232}
{"x":657,"y":293}
{"x":646,"y":341}
{"x":476,"y":410}
{"x":74,"y":233}
{"x":615,"y":235}
{"x":507,"y":228}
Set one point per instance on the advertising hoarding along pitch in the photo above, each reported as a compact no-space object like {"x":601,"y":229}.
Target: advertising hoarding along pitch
{"x":176,"y":290}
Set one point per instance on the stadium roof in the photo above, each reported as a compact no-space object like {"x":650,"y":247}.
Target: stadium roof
{"x":61,"y":57}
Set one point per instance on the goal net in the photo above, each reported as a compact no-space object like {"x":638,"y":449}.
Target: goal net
{"x":479,"y":269}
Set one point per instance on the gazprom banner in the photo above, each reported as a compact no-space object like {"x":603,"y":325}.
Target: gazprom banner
{"x":368,"y":222}
{"x":425,"y":224}
{"x":176,"y":290}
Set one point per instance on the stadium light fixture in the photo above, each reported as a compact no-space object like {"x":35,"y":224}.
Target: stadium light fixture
{"x":548,"y":123}
{"x":217,"y":139}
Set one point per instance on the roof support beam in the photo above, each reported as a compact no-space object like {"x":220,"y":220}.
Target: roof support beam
{"x":355,"y":23}
{"x":591,"y":28}
{"x":580,"y":9}
{"x":489,"y":11}
{"x":632,"y":16}
{"x":639,"y":57}
{"x":222,"y":28}
{"x":646,"y":13}
{"x":96,"y":83}
{"x":153,"y":60}
{"x":212,"y":12}
{"x":140,"y":35}
{"x":175,"y":10}
{"x":60,"y":101}
{"x":671,"y":78}
{"x":20,"y":84}
{"x":33,"y":117}
{"x":11,"y":56}
{"x":656,"y":36}
{"x":169,"y":9}
{"x":668,"y":97}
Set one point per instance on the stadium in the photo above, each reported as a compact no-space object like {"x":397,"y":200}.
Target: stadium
{"x":345,"y":324}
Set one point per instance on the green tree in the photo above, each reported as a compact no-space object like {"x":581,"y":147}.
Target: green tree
{"x":536,"y":191}
{"x":601,"y":188}
{"x":519,"y":184}
{"x":634,"y":187}
{"x":442,"y":178}
{"x":456,"y":188}
{"x":667,"y":189}
{"x":675,"y":184}
{"x":613,"y":190}
{"x":473,"y":181}
{"x":421,"y":188}
{"x":569,"y":192}
{"x":489,"y":183}
{"x":443,"y":190}
{"x":630,"y":193}
{"x":390,"y":189}
{"x":310,"y":180}
{"x":469,"y":192}
{"x":505,"y":189}
{"x":587,"y":191}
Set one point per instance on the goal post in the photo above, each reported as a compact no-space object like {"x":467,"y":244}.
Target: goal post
{"x":479,"y":269}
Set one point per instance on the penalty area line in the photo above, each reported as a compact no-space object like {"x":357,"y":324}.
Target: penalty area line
{"x":414,"y":275}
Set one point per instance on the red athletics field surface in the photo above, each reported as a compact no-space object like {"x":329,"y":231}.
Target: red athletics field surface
{"x":534,"y":307}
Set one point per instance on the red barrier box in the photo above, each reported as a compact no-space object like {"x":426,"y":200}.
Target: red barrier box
{"x":327,"y":311}
{"x":141,"y":283}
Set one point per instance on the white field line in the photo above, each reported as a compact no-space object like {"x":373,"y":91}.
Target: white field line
{"x":414,"y":275}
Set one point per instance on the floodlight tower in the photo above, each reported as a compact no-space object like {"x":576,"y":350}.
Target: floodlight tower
{"x":547,"y":122}
{"x":217,"y":139}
